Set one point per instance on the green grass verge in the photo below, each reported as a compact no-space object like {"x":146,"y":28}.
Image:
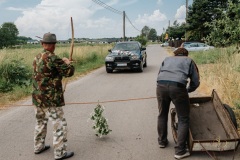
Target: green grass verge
{"x":83,"y":64}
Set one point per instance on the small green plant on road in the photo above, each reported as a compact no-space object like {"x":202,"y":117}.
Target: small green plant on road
{"x":100,"y":124}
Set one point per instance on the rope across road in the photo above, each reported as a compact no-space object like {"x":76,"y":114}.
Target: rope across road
{"x":73,"y":103}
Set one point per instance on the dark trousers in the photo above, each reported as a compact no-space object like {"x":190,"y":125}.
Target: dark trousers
{"x":179,"y":96}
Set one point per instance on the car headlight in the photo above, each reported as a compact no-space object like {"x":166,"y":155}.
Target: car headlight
{"x":108,"y":58}
{"x":134,"y":57}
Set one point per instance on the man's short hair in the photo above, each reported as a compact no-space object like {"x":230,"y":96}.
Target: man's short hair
{"x":181,"y":51}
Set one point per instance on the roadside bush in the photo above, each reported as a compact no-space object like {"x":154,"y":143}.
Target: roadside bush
{"x":14,"y":72}
{"x":5,"y":87}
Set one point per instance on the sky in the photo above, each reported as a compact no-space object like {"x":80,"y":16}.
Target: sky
{"x":91,"y":20}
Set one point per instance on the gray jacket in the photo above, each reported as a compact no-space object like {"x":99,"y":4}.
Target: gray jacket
{"x":179,"y":69}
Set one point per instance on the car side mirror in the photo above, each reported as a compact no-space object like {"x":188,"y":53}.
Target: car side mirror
{"x":144,"y":48}
{"x":110,"y":50}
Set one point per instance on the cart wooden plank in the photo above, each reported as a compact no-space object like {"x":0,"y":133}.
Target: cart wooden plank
{"x":211,"y":128}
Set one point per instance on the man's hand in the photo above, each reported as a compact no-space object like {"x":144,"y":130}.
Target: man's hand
{"x":66,"y":60}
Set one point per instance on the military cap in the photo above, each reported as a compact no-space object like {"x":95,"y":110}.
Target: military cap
{"x":49,"y":38}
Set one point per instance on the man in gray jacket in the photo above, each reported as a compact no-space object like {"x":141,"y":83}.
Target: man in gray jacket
{"x":172,"y":86}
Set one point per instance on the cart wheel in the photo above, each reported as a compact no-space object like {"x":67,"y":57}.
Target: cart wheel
{"x":231,"y":114}
{"x":174,"y":124}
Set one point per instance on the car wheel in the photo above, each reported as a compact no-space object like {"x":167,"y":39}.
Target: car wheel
{"x":109,"y":70}
{"x":141,"y":67}
{"x":231,"y":114}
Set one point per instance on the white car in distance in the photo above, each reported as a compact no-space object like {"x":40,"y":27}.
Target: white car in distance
{"x":198,"y":47}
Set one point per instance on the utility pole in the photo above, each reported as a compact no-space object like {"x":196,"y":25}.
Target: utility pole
{"x":186,"y":19}
{"x":123,"y":25}
{"x":163,"y":35}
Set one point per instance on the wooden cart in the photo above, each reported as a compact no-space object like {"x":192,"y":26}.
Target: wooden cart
{"x":212,"y":126}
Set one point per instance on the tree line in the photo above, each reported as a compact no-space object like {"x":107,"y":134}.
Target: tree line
{"x":213,"y":21}
{"x":9,"y":35}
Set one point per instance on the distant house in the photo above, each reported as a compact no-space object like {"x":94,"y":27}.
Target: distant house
{"x":63,"y":41}
{"x":32,"y":42}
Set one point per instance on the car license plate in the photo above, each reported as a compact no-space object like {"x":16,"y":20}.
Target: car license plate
{"x":122,"y":64}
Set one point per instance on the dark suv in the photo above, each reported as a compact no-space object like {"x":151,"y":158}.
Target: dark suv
{"x":126,"y":55}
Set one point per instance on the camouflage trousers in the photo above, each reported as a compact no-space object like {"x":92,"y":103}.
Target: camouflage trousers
{"x":55,"y":114}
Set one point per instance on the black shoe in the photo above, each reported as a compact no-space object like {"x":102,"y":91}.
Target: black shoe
{"x":182,"y":156}
{"x":67,"y":155}
{"x":163,"y":145}
{"x":46,"y":147}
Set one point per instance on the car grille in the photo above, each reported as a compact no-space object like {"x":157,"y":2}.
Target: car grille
{"x":122,"y":59}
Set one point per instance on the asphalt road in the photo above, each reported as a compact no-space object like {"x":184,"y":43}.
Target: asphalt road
{"x":133,"y":122}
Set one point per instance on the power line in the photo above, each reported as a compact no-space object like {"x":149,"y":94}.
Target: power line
{"x":114,"y":11}
{"x":108,"y":7}
{"x":131,"y":23}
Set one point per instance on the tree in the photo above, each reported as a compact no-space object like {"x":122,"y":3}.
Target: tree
{"x":177,"y":30}
{"x":8,"y":34}
{"x":203,"y":11}
{"x":141,"y":39}
{"x":145,"y":31}
{"x":152,"y":35}
{"x":23,"y":40}
{"x":226,"y":31}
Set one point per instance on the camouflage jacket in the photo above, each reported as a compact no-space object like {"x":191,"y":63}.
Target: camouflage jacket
{"x":49,"y":70}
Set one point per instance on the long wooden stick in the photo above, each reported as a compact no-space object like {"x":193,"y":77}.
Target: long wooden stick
{"x":71,"y":52}
{"x":72,"y":43}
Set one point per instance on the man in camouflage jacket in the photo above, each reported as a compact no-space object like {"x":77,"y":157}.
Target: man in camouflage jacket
{"x":47,"y":96}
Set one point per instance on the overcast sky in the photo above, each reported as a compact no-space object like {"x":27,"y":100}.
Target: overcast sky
{"x":91,"y":20}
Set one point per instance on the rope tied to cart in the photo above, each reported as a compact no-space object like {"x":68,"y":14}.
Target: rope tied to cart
{"x":80,"y":103}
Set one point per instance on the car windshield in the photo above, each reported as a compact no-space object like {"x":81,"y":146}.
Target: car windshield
{"x":202,"y":45}
{"x":193,"y":45}
{"x":126,"y":46}
{"x":186,"y":43}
